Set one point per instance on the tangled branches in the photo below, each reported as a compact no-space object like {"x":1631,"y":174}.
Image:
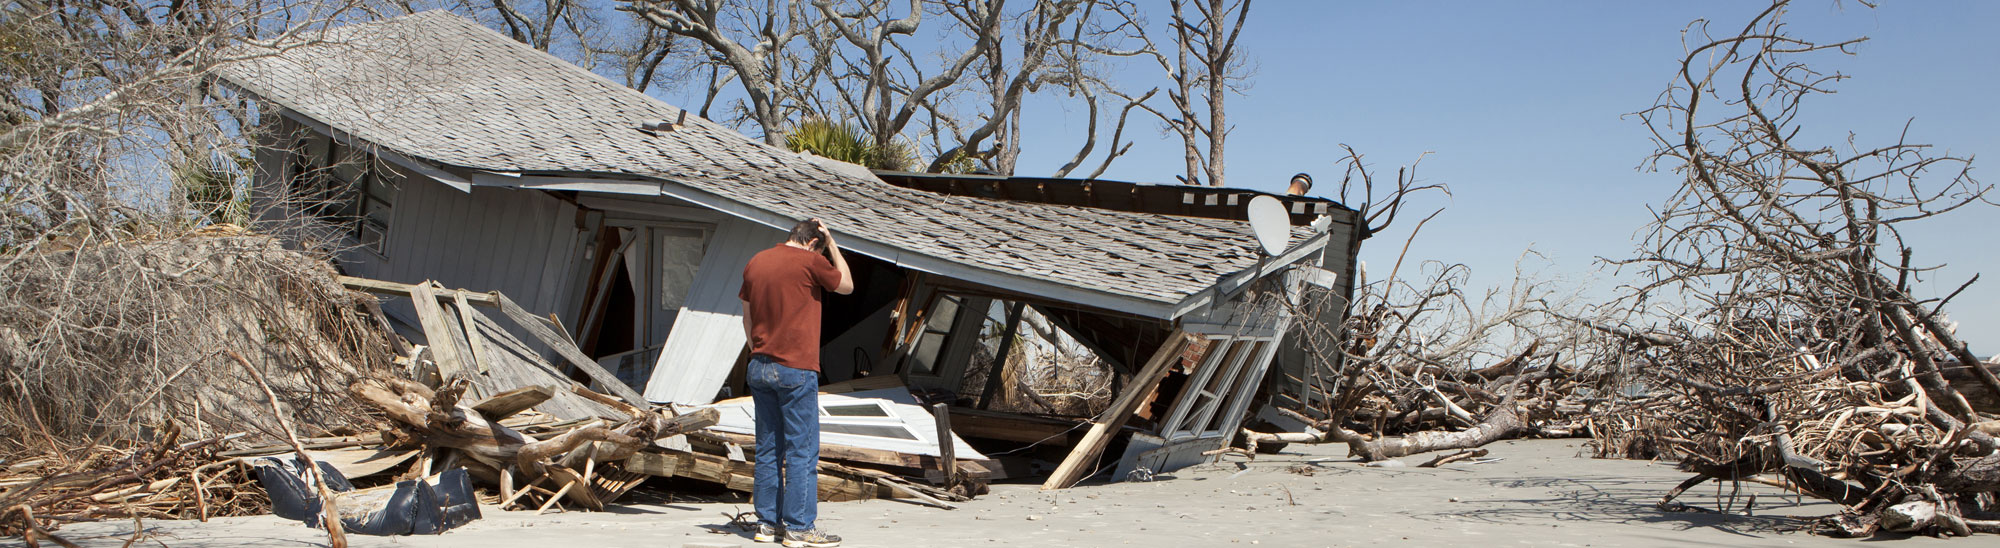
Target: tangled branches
{"x":1778,"y":330}
{"x":104,"y":344}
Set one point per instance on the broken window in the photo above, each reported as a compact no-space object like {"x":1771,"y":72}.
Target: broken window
{"x":680,"y":251}
{"x":871,"y":418}
{"x":341,"y":185}
{"x":1220,"y":387}
{"x":937,"y":329}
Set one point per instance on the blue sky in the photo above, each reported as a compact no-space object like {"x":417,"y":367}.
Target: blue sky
{"x":1521,"y":106}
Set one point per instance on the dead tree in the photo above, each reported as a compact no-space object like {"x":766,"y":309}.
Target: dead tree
{"x":753,"y":43}
{"x":1205,"y":68}
{"x":1777,"y":326}
{"x":855,"y":60}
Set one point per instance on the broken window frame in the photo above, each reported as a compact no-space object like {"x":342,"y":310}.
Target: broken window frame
{"x":947,"y":365}
{"x":1198,"y":406}
{"x":361,"y":204}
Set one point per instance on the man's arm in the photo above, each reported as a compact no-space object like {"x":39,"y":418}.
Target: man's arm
{"x":839,"y":263}
{"x":747,"y":333}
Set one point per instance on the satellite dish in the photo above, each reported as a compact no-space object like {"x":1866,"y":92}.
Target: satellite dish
{"x":1272,"y":225}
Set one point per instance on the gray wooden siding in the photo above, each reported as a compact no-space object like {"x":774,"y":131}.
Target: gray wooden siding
{"x":491,"y":239}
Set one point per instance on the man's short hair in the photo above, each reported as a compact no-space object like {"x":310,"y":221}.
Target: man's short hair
{"x":804,"y":232}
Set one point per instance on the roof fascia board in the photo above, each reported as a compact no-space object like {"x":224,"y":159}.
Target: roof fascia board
{"x":450,"y":179}
{"x":636,"y":186}
{"x":1229,"y":284}
{"x":933,"y":265}
{"x":628,"y":207}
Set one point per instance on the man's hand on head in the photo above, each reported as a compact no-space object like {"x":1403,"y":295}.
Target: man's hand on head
{"x":825,"y":235}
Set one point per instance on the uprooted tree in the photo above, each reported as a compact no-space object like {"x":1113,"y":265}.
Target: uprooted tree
{"x":1416,"y":364}
{"x":1778,"y":332}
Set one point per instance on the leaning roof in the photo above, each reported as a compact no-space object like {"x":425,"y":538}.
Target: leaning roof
{"x":443,"y":89}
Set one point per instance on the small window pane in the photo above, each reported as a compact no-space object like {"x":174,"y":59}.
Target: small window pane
{"x":871,"y":430}
{"x":930,"y":345}
{"x":856,"y":410}
{"x":374,"y":237}
{"x":1241,"y":375}
{"x":680,"y":249}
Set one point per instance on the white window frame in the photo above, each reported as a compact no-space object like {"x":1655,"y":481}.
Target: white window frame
{"x":1201,"y":405}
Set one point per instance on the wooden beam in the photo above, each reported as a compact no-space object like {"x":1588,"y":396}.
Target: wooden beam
{"x":380,"y":287}
{"x":973,"y":423}
{"x":1086,"y":452}
{"x":479,"y":358}
{"x":946,"y":449}
{"x":970,"y":468}
{"x":740,"y":476}
{"x":998,"y":370}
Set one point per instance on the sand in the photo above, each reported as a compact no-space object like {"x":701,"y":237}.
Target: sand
{"x":1541,"y":493}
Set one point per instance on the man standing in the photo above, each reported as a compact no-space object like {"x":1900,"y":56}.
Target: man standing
{"x":782,"y":289}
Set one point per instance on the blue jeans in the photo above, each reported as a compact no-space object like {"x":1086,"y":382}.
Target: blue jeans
{"x":786,"y":490}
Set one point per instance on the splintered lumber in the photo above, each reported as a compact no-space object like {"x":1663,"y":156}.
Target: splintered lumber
{"x":444,"y":344}
{"x":452,"y":359}
{"x":540,"y":330}
{"x":1084,"y":456}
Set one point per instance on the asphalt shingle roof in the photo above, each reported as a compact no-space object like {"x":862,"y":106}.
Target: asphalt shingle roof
{"x":442,"y":88}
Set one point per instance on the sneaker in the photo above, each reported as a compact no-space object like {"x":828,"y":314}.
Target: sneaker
{"x":816,"y":538}
{"x":767,"y":533}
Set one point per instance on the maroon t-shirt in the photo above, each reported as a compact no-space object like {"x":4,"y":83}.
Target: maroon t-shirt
{"x":783,"y":286}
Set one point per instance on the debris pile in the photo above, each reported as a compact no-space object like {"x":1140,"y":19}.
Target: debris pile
{"x":378,"y":419}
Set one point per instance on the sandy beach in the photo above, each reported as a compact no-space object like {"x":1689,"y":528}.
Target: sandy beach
{"x":1541,"y":493}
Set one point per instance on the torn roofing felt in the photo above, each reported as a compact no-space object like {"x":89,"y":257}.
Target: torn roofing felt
{"x":442,"y":89}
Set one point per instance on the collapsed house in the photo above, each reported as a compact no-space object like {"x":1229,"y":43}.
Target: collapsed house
{"x":428,"y":147}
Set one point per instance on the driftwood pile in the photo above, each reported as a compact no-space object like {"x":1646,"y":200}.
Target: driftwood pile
{"x":1902,"y":447}
{"x":168,"y":480}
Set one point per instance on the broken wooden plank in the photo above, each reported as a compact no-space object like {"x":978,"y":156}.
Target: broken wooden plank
{"x":506,"y":404}
{"x":382,"y":287}
{"x":974,"y":423}
{"x":444,"y":342}
{"x":535,"y":326}
{"x":1084,"y":456}
{"x":575,"y":486}
{"x":354,"y":463}
{"x":948,"y":463}
{"x":472,"y":337}
{"x":612,"y":482}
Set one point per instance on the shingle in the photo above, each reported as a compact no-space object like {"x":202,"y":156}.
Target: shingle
{"x":442,"y":88}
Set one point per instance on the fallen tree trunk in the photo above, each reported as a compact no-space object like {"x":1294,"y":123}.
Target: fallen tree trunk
{"x":1502,"y":423}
